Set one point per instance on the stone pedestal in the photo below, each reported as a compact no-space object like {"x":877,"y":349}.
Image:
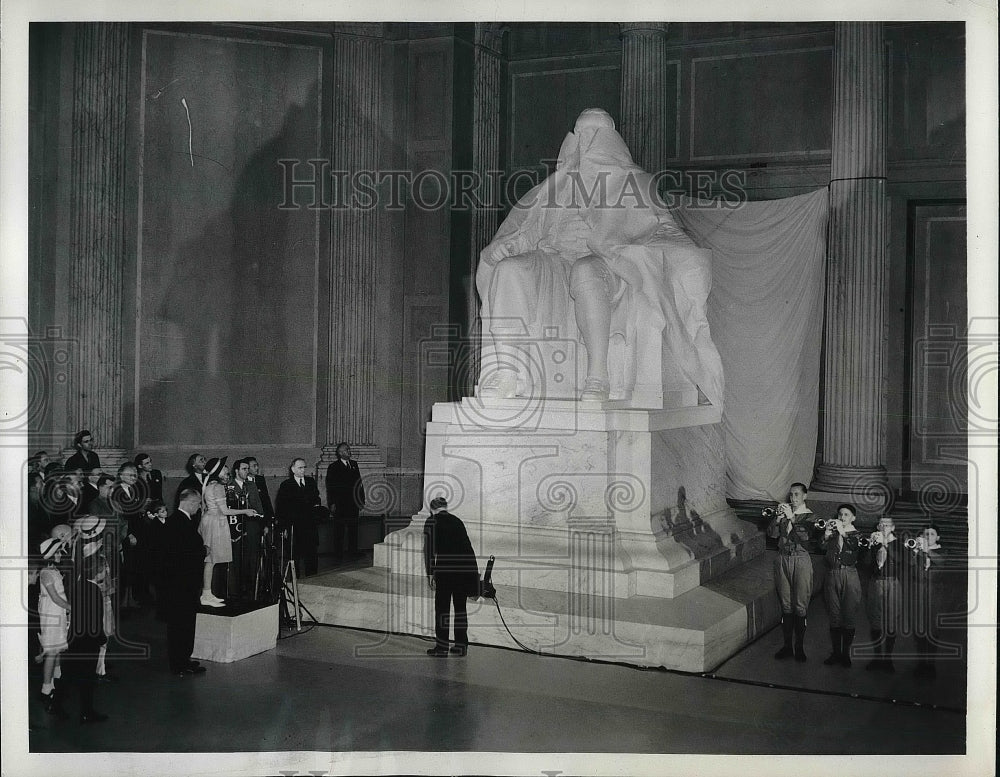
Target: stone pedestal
{"x":607,"y":524}
{"x":558,"y":489}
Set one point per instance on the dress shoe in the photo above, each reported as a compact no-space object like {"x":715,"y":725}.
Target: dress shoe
{"x":193,"y":662}
{"x":459,"y":650}
{"x":438,"y":652}
{"x":211,"y":601}
{"x":53,"y":706}
{"x":107,"y":678}
{"x":194,"y":669}
{"x":93,"y":717}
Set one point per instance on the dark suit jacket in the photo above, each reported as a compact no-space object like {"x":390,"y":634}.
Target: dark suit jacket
{"x":265,"y":497}
{"x":191,"y":481}
{"x":180,"y":563}
{"x":448,"y":552}
{"x":128,"y":506}
{"x":88,"y":493}
{"x":345,"y":491}
{"x":249,"y":490}
{"x":82,"y":460}
{"x":153,"y":485}
{"x":296,"y":508}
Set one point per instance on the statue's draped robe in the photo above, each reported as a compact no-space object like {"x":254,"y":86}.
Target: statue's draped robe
{"x":598,"y":202}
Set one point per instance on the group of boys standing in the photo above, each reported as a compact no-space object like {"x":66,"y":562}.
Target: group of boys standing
{"x":900,"y":590}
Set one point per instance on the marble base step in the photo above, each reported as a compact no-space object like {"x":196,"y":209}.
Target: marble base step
{"x":694,"y":632}
{"x":613,"y":565}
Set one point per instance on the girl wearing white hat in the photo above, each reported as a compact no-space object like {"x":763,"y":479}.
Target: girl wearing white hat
{"x":53,"y":616}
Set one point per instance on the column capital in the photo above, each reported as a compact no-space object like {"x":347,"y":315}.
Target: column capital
{"x":643,"y":28}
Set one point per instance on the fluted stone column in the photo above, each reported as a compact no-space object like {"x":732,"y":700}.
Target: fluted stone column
{"x":852,"y":460}
{"x":486,"y":162}
{"x":644,"y":93}
{"x":97,"y":234}
{"x":357,"y":72}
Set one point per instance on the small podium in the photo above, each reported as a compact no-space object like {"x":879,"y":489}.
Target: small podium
{"x":236,"y":631}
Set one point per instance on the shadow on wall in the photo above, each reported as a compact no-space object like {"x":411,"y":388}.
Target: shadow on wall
{"x":230,"y":357}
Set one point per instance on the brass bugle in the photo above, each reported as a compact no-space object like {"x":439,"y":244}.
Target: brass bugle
{"x":829,"y":523}
{"x":911,"y":543}
{"x":771,"y":512}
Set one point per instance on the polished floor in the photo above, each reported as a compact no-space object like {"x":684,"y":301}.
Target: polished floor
{"x":331,"y":689}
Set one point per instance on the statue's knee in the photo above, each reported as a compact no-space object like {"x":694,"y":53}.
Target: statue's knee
{"x":516,"y":268}
{"x":589,"y":273}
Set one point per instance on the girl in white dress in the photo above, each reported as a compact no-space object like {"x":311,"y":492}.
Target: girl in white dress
{"x":53,"y":616}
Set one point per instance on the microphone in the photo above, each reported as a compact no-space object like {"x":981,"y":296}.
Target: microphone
{"x":486,"y":588}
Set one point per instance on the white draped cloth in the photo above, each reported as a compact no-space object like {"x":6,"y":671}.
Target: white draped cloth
{"x":766,"y":314}
{"x":598,"y":203}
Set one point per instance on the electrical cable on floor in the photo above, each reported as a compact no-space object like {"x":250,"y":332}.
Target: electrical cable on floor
{"x":678,"y":672}
{"x":500,"y":613}
{"x":488,"y":591}
{"x":295,"y":632}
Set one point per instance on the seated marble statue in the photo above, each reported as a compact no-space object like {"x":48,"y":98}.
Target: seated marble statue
{"x":590,"y":257}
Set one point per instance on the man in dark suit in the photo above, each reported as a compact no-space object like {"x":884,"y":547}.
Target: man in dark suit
{"x":85,"y":459}
{"x":246,"y":545}
{"x":265,"y":498}
{"x":88,"y":488}
{"x":453,"y":575}
{"x":182,"y":560}
{"x":296,"y":508}
{"x":345,"y":496}
{"x":150,"y":480}
{"x":128,"y":502}
{"x":196,"y":475}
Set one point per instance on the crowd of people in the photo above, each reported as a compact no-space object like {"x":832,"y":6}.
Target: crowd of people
{"x":901,"y":582}
{"x":104,"y":544}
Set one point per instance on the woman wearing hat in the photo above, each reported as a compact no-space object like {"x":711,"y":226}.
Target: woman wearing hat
{"x":53,"y":616}
{"x":214,"y":526}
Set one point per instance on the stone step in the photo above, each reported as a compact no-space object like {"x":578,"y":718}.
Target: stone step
{"x":602,"y":563}
{"x":694,"y":632}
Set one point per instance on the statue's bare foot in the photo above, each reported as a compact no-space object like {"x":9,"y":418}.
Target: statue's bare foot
{"x":595,"y":390}
{"x":502,"y":384}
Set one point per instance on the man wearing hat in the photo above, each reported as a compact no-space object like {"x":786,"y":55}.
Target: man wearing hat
{"x":452,"y":573}
{"x":181,"y":561}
